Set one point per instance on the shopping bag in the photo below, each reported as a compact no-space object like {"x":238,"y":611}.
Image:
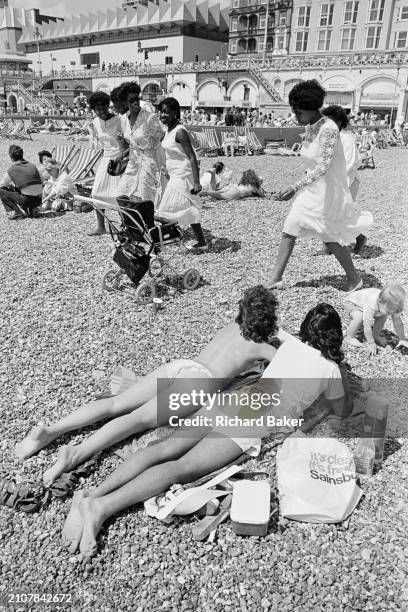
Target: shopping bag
{"x":316,"y":480}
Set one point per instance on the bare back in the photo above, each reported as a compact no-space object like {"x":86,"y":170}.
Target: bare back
{"x":229,"y":353}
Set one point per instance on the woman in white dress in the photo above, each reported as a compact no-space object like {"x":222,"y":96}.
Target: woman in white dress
{"x":180,"y":201}
{"x":352,"y":156}
{"x":143,"y":132}
{"x":323,"y":206}
{"x":104,"y":131}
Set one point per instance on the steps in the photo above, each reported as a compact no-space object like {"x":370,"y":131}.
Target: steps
{"x":256,"y":73}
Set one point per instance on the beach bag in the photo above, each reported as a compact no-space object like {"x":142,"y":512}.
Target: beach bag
{"x":117,"y":166}
{"x":316,"y":480}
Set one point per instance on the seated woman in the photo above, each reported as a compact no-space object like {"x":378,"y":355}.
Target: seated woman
{"x":230,"y":144}
{"x":233,"y":349}
{"x":59,"y":190}
{"x":190,"y":454}
{"x":249,"y":186}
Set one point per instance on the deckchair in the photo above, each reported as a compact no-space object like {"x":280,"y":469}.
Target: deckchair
{"x":6,"y":128}
{"x":253,"y":143}
{"x":366,"y":147}
{"x":273,"y":146}
{"x":83,"y":165}
{"x":63,"y":154}
{"x":213,"y":143}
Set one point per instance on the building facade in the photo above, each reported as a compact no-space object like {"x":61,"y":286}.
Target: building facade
{"x":260,"y":27}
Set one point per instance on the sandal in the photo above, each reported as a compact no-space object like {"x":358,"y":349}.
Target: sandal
{"x":27,"y":497}
{"x":67,"y":483}
{"x":202,"y":530}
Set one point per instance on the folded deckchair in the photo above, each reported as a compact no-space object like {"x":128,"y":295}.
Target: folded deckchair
{"x":254,"y":143}
{"x":212,"y":143}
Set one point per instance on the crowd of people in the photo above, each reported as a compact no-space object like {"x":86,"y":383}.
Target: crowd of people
{"x":162,"y":166}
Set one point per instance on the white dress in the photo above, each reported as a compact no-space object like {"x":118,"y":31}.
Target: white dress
{"x":142,"y":178}
{"x":103,"y":135}
{"x":178,"y":203}
{"x":323,"y":206}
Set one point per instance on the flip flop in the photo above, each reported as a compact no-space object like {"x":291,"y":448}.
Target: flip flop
{"x":356,"y":288}
{"x":209,"y":524}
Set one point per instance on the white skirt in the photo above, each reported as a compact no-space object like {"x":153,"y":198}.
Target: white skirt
{"x":105,"y":186}
{"x":179,"y":204}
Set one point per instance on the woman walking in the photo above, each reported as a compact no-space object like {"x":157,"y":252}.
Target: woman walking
{"x":323,"y":206}
{"x":143,"y":133}
{"x":180,"y":201}
{"x":104,"y":132}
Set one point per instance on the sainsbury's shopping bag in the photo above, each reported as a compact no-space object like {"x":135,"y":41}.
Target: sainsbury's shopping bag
{"x":316,"y":480}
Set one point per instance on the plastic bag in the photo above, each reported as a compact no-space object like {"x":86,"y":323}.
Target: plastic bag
{"x":316,"y":480}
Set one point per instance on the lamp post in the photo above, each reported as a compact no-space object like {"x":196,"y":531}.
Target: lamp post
{"x":38,"y":37}
{"x":266,"y":31}
{"x":395,"y":91}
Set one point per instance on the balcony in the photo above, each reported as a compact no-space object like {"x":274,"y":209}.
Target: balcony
{"x":256,"y":6}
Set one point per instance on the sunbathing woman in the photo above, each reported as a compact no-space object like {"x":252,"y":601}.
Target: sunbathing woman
{"x":249,"y":186}
{"x":187,"y":456}
{"x":235,"y":347}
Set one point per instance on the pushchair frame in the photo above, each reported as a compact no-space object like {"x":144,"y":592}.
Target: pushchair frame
{"x":138,"y":241}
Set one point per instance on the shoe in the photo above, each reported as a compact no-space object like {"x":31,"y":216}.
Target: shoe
{"x":357,"y":287}
{"x":277,"y":285}
{"x":15,"y":216}
{"x":361,"y":241}
{"x":190,"y":246}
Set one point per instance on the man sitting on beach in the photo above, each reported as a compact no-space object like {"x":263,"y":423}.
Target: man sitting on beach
{"x":25,"y":178}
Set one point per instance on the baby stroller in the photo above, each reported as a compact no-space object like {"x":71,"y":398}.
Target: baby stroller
{"x":140,"y":241}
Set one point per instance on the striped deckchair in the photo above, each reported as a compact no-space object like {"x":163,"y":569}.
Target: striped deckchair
{"x":63,"y":154}
{"x":254,"y":144}
{"x":213,"y":144}
{"x":83,"y":165}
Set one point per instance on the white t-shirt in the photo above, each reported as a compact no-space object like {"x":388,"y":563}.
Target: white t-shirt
{"x":366,"y":300}
{"x":300,"y":374}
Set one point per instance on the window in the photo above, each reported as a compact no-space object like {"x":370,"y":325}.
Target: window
{"x":403,"y":13}
{"x":168,"y":60}
{"x":282,"y":19}
{"x":350,"y":12}
{"x":326,"y":14}
{"x":235,"y":4}
{"x":323,"y":40}
{"x":400,"y":40}
{"x":281,"y":42}
{"x":234,"y":24}
{"x":301,"y":41}
{"x":261,"y":46}
{"x":262,"y":22}
{"x":376,"y":11}
{"x":90,"y":59}
{"x":233,"y":46}
{"x":373,"y":37}
{"x":303,"y":19}
{"x":347,"y":39}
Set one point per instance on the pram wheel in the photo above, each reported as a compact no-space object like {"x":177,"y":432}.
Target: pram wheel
{"x":111,"y":280}
{"x":145,"y":293}
{"x":155,"y":266}
{"x":191,"y":279}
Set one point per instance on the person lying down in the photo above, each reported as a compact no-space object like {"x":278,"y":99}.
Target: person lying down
{"x":312,"y":363}
{"x":233,"y":349}
{"x":250,"y":185}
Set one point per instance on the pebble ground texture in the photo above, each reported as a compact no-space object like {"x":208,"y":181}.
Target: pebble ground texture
{"x":61,"y":338}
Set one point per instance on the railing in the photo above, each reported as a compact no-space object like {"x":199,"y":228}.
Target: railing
{"x":287,"y":62}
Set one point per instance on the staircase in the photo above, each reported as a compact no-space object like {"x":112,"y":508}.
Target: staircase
{"x":39,"y":98}
{"x":256,"y":73}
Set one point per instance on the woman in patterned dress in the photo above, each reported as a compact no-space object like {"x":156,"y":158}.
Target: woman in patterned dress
{"x":143,"y":132}
{"x":323,"y":206}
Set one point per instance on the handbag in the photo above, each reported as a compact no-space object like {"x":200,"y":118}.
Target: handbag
{"x":117,"y":166}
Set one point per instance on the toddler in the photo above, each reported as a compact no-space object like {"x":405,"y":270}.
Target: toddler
{"x":371,"y":307}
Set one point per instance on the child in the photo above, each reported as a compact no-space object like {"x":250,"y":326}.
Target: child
{"x":180,"y":201}
{"x":230,"y":352}
{"x":371,"y":307}
{"x":250,"y":185}
{"x":211,"y":179}
{"x":230,"y":144}
{"x":189,"y":455}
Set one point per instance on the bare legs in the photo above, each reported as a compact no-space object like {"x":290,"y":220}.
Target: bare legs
{"x":100,"y":225}
{"x":341,"y":253}
{"x":135,"y":481}
{"x":91,"y":413}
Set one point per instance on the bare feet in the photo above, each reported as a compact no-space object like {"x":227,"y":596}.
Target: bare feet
{"x":97,"y":232}
{"x":64,"y":463}
{"x":92,"y":521}
{"x":354,"y":285}
{"x":38,"y":438}
{"x":72,"y":530}
{"x":353,"y":342}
